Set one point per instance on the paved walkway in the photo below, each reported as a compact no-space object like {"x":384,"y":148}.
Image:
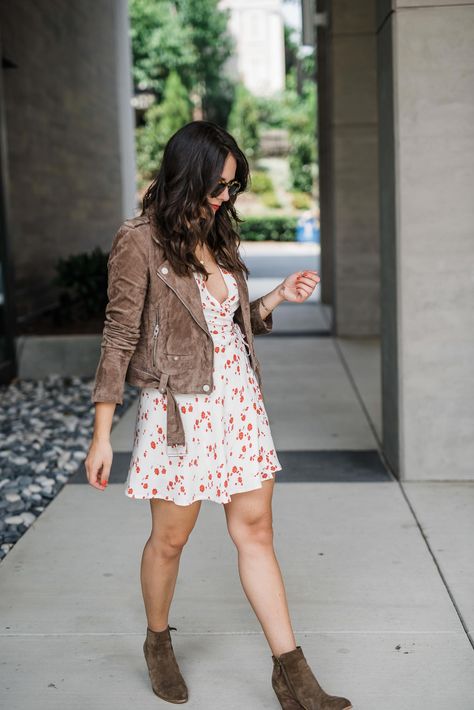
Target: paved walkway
{"x":379,"y":575}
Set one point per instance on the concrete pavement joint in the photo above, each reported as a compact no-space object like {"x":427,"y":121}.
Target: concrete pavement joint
{"x":404,"y":493}
{"x":435,"y":561}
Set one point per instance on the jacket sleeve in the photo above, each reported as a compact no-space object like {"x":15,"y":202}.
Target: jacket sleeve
{"x":259,"y":325}
{"x":127,"y":285}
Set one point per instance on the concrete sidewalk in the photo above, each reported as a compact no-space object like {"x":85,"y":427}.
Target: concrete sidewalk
{"x":379,"y":575}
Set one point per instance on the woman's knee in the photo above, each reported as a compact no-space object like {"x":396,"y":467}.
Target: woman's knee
{"x":168,"y":542}
{"x":256,"y":530}
{"x":171,"y":526}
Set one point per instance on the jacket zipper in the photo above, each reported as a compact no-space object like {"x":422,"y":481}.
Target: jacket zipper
{"x":194,"y":317}
{"x":155,"y":340}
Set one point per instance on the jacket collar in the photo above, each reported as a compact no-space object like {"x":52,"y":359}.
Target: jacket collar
{"x":187,"y":290}
{"x":186,"y":287}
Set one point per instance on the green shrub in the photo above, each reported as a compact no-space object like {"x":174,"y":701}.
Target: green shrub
{"x":301,"y":124}
{"x":301,"y":162}
{"x":260,"y":182}
{"x":82,"y":280}
{"x":301,"y":201}
{"x":270,"y":199}
{"x":161,"y":121}
{"x":244,"y":122}
{"x":279,"y":229}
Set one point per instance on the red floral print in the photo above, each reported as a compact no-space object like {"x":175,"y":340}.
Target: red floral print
{"x":230,"y":448}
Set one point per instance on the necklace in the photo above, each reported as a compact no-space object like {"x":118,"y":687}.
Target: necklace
{"x":202,"y":261}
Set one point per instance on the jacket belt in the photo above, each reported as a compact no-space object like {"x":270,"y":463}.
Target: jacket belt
{"x":174,"y":423}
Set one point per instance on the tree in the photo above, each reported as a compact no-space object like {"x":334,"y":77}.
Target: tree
{"x":161,"y":121}
{"x":291,"y":49}
{"x":212,"y":45}
{"x":161,"y":42}
{"x":244,"y":122}
{"x":301,"y":124}
{"x":190,"y":37}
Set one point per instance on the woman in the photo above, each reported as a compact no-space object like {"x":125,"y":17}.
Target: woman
{"x":179,"y":325}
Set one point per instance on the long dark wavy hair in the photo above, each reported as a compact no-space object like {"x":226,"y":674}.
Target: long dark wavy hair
{"x":176,"y":200}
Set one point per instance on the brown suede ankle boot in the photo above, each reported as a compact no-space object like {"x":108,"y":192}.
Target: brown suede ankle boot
{"x":296,"y":686}
{"x":166,"y":679}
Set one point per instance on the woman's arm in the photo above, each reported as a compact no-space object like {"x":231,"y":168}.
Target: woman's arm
{"x":128,"y":274}
{"x":297,"y":287}
{"x":99,"y":458}
{"x":270,"y":301}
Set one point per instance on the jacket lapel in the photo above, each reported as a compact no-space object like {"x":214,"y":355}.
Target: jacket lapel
{"x":187,"y":290}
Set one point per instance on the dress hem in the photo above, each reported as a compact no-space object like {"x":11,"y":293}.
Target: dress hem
{"x":203,"y":498}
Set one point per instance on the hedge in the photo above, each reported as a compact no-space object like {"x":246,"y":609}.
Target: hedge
{"x":259,"y":229}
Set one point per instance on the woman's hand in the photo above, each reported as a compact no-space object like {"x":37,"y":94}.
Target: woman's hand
{"x":98,"y":463}
{"x":299,"y":286}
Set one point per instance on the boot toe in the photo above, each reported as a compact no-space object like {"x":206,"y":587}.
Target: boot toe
{"x":173,"y":690}
{"x":339,"y":703}
{"x":172,"y":694}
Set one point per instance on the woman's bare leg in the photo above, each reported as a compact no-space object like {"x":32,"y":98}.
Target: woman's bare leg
{"x":171,"y":526}
{"x":249,"y":521}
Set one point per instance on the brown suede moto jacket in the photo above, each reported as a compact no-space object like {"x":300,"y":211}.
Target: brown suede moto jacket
{"x":155,"y":332}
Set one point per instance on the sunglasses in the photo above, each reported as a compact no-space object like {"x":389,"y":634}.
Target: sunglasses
{"x":233,"y":185}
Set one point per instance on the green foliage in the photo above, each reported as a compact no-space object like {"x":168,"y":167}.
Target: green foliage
{"x":161,"y":121}
{"x":187,"y":36}
{"x":244,"y":122}
{"x":161,"y":42}
{"x":281,"y":229}
{"x":296,"y":114}
{"x":301,"y":124}
{"x":179,"y":50}
{"x":82,"y":280}
{"x":301,"y":201}
{"x":295,"y":110}
{"x":272,"y":111}
{"x":218,"y":101}
{"x":308,"y":66}
{"x":260,"y":182}
{"x":190,"y":39}
{"x":212,"y":44}
{"x":291,"y":48}
{"x":270,"y":199}
{"x":301,"y":161}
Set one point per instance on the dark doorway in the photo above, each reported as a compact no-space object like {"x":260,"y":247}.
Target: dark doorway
{"x":8,"y":367}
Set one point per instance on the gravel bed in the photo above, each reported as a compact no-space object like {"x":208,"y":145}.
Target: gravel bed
{"x":45,"y":433}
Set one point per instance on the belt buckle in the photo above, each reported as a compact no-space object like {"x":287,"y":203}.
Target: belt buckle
{"x":173,"y":451}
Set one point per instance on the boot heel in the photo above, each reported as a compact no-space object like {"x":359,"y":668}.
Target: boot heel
{"x":286,"y":700}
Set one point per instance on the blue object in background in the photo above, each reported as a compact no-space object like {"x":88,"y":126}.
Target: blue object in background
{"x":307,"y":230}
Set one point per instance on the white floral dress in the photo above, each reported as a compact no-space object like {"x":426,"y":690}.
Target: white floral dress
{"x":230,"y":447}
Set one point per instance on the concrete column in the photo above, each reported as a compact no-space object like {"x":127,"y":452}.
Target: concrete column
{"x":325,"y":158}
{"x":350,"y":203}
{"x":126,"y":114}
{"x":66,"y":136}
{"x":426,"y":109}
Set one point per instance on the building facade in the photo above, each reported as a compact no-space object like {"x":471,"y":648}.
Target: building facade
{"x":259,"y":61}
{"x":396,"y":145}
